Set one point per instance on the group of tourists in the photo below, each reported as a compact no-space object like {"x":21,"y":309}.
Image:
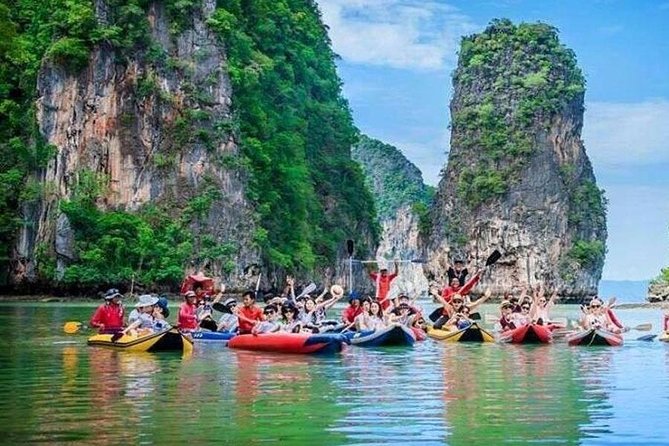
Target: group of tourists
{"x":206,"y":308}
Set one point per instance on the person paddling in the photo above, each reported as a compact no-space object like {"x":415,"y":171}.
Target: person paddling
{"x":108,"y":317}
{"x":383,"y":280}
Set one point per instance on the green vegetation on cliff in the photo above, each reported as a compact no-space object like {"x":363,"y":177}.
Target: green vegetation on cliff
{"x":512,"y":80}
{"x":294,"y":127}
{"x":296,"y":130}
{"x":393,"y":179}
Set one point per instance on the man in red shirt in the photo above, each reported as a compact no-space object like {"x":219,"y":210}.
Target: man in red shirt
{"x":249,"y":314}
{"x":354,"y":308}
{"x":382,"y":280}
{"x":187,"y":320}
{"x":108,"y":318}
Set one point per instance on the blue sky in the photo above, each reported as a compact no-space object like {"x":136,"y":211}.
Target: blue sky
{"x":397,"y":57}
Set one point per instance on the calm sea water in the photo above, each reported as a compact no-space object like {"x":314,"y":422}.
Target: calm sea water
{"x":55,"y":389}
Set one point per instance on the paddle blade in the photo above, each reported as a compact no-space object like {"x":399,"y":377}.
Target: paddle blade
{"x":72,"y":327}
{"x":116,"y":336}
{"x":648,"y":337}
{"x":643,"y":327}
{"x":308,"y":289}
{"x":492,"y":258}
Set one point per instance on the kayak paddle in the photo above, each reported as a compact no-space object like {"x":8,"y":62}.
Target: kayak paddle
{"x":648,"y":337}
{"x":493,"y":258}
{"x":308,"y":289}
{"x":72,"y":327}
{"x":642,"y":327}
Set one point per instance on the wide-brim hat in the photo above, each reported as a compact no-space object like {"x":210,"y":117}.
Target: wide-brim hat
{"x":337,"y":290}
{"x":230,"y":301}
{"x":190,"y":294}
{"x":146,"y":300}
{"x":112,"y":293}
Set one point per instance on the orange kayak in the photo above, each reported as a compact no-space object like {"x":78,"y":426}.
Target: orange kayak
{"x":300,"y":343}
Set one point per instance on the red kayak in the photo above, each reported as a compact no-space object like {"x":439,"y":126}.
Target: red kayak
{"x":528,"y":334}
{"x":290,"y":342}
{"x":595,"y":337}
{"x":419,"y":333}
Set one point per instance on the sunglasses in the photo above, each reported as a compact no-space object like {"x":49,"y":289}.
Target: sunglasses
{"x":595,"y":306}
{"x":457,"y":301}
{"x":268,"y":313}
{"x":525,"y":308}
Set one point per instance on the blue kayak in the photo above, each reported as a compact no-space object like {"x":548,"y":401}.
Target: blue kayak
{"x":212,"y":335}
{"x":393,"y":335}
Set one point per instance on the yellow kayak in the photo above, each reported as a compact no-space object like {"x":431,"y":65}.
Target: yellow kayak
{"x":473,"y":333}
{"x":162,"y":341}
{"x":664,"y":337}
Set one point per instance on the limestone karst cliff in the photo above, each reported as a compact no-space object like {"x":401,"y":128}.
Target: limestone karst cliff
{"x":401,"y":199}
{"x":518,"y":178}
{"x":174,"y":135}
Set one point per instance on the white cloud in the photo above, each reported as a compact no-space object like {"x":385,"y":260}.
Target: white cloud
{"x":619,"y":134}
{"x":416,"y":35}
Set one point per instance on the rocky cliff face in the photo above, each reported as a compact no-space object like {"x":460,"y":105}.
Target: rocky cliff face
{"x":154,"y":127}
{"x":518,"y":178}
{"x":401,"y":198}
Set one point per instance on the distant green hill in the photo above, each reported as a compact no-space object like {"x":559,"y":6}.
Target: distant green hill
{"x":393,"y":179}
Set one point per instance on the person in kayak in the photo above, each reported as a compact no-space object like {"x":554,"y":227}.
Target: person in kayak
{"x":541,"y":307}
{"x":291,"y":322}
{"x":383,"y":280}
{"x":460,"y":320}
{"x":524,"y":317}
{"x":596,"y":317}
{"x":403,"y":315}
{"x":249,"y":314}
{"x":353,"y":309}
{"x":187,"y":320}
{"x":108,"y":317}
{"x":271,"y":323}
{"x":314,"y":313}
{"x":145,"y":318}
{"x":376,"y":320}
{"x":506,"y":317}
{"x":457,"y":271}
{"x":361,"y":322}
{"x":456,"y":304}
{"x":228,"y":322}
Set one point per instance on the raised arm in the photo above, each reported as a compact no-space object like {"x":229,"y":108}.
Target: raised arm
{"x":480,"y":300}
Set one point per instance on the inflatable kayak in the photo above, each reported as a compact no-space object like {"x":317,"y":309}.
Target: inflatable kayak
{"x":473,"y":333}
{"x":595,"y":337}
{"x":419,"y":333}
{"x":527,"y":334}
{"x":212,"y":335}
{"x":301,"y":343}
{"x":392,"y":335}
{"x":162,"y":341}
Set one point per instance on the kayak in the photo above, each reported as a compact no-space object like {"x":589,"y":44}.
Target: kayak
{"x":527,"y":334}
{"x":212,"y":335}
{"x":396,"y":334}
{"x":473,"y":333}
{"x":419,"y":333}
{"x":162,"y":341}
{"x":595,"y":337}
{"x":300,"y":343}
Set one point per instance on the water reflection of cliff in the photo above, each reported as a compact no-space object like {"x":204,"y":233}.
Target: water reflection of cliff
{"x":516,"y":393}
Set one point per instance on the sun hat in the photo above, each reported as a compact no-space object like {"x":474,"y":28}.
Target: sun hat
{"x":146,"y":300}
{"x":230,"y":301}
{"x":353,"y":295}
{"x":112,"y":293}
{"x":337,"y":290}
{"x":190,"y":294}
